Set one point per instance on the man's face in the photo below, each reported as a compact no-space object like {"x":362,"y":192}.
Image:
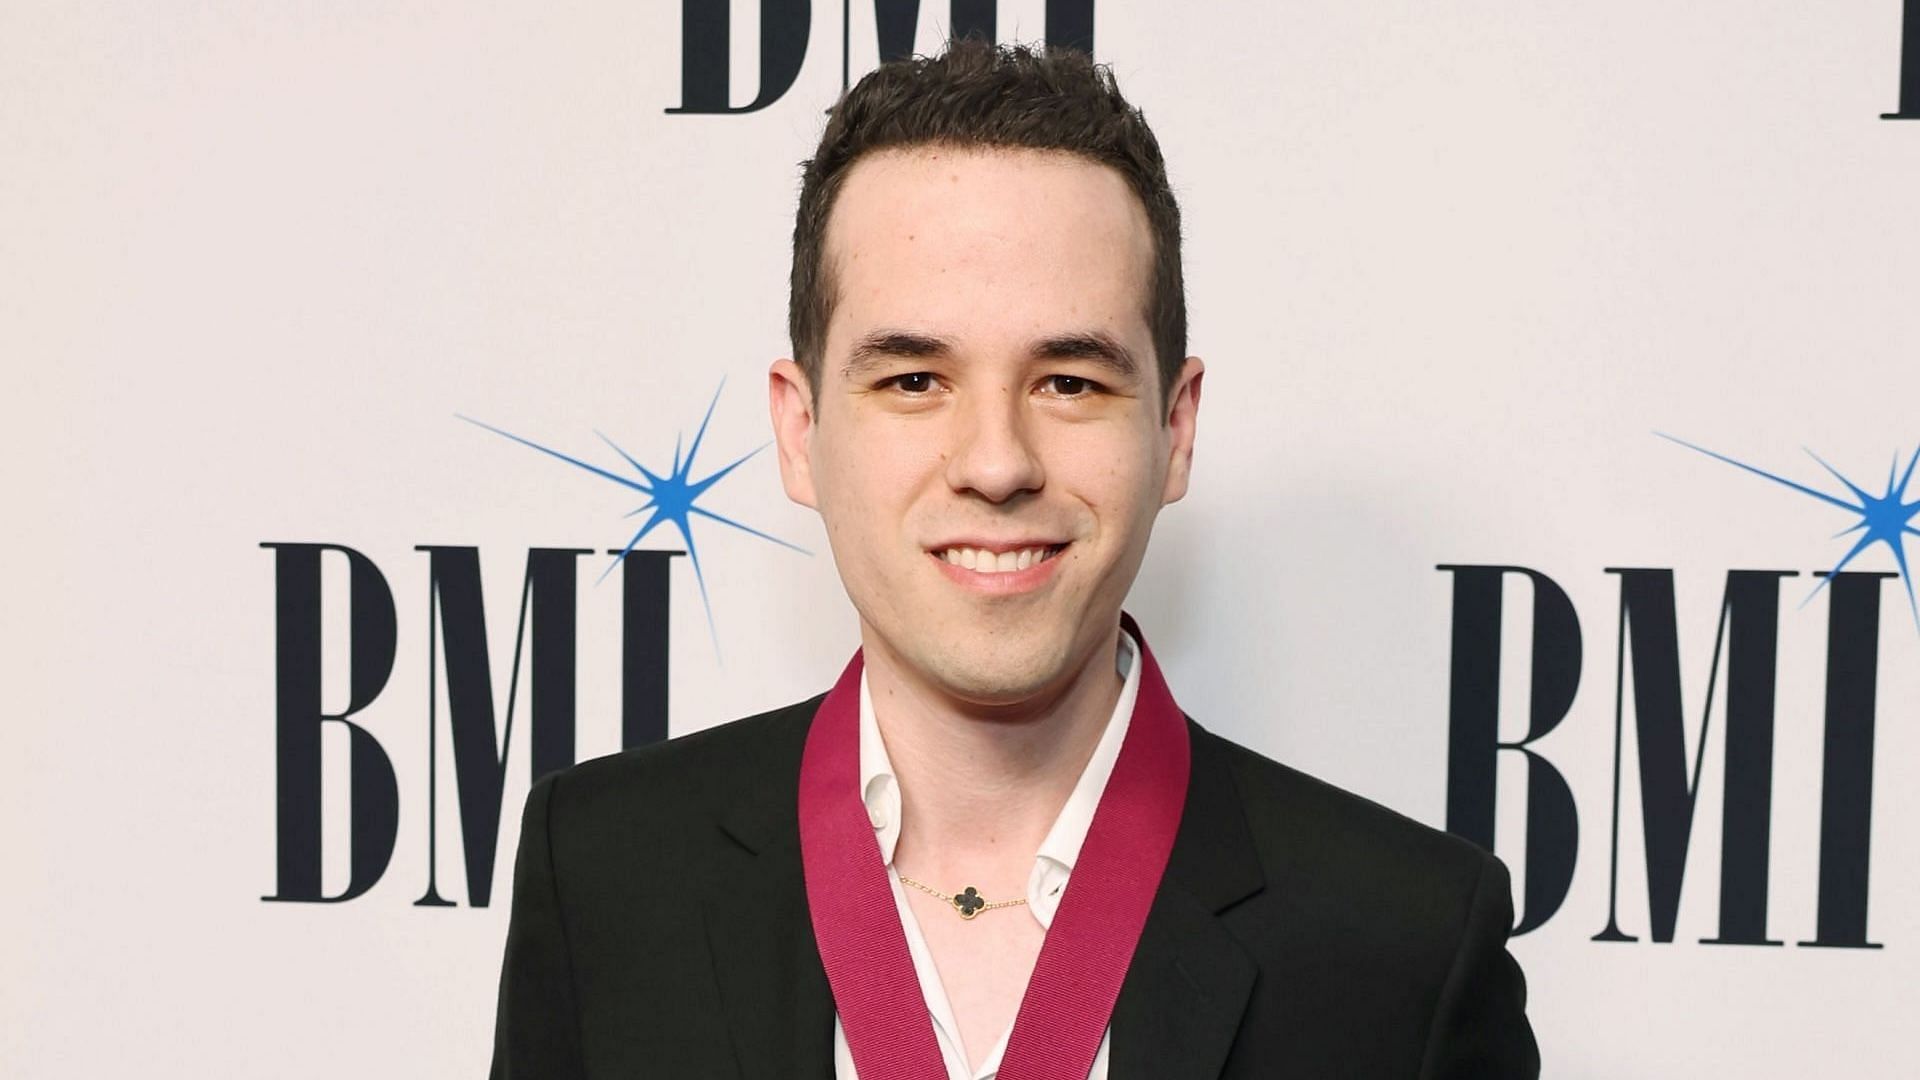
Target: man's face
{"x":989,"y":446}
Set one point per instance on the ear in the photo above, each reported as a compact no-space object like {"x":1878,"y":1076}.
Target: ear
{"x":790,"y":401}
{"x":1182,"y":417}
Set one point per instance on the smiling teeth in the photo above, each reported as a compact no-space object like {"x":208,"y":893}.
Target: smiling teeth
{"x":987,"y":562}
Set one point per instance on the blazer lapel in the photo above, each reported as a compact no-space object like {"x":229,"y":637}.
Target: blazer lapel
{"x":1189,"y":982}
{"x":1179,"y":1008}
{"x":778,"y":1004}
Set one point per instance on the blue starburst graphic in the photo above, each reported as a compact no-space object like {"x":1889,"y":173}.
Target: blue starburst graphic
{"x":1883,"y":519}
{"x":672,"y":498}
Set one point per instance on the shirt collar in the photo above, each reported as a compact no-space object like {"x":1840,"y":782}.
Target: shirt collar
{"x":880,"y":790}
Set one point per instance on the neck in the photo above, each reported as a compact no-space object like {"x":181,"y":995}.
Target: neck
{"x":980,"y":786}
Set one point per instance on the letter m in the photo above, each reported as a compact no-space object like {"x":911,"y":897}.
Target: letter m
{"x":457,"y":629}
{"x":1748,"y":634}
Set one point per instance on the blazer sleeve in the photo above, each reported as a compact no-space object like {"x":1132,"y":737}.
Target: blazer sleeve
{"x":536,"y":1029}
{"x":1480,"y":1027}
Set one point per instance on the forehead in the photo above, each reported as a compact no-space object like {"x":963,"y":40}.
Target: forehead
{"x":987,"y":243}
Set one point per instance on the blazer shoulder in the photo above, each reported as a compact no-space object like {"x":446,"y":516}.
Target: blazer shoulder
{"x":1327,"y":831}
{"x":669,"y":783}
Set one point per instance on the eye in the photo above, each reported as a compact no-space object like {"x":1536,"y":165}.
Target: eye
{"x":914,"y":382}
{"x":1070,"y":385}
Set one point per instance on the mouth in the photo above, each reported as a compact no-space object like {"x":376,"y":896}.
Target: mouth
{"x":997,"y":558}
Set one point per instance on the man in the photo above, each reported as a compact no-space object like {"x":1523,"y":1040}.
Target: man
{"x":996,"y":848}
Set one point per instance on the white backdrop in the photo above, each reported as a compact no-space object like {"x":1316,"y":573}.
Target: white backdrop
{"x":1451,"y":267}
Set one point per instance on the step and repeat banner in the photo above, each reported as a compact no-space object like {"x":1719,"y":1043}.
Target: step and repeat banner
{"x":1554,"y":481}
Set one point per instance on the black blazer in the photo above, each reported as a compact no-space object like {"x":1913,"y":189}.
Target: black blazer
{"x":660,"y":929}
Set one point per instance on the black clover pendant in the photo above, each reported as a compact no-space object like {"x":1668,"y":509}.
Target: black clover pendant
{"x":968,"y":903}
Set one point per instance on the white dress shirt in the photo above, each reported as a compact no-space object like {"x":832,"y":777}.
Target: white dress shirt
{"x":1052,"y":865}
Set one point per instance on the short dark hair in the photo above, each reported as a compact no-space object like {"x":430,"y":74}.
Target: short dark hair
{"x":980,"y":95}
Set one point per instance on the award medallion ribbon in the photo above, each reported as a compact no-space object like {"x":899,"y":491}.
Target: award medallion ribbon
{"x":1064,"y":1014}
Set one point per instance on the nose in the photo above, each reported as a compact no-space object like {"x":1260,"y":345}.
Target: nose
{"x":993,"y":454}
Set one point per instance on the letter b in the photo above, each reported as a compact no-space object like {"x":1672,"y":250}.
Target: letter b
{"x":1909,"y":65}
{"x":705,"y":45}
{"x":375,"y":797}
{"x":1473,"y":743}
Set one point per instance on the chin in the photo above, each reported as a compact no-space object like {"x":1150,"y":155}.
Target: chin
{"x":1016,"y":671}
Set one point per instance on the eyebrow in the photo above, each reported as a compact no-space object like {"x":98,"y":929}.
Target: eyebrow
{"x":877,"y":348}
{"x":1100,"y":348}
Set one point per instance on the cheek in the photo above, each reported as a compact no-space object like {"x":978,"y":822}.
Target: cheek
{"x":1119,"y":479}
{"x":870,"y":482}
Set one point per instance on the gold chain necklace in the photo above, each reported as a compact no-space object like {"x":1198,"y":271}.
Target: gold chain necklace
{"x":968,"y":903}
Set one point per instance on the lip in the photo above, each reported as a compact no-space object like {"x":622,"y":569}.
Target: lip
{"x":1010,"y":583}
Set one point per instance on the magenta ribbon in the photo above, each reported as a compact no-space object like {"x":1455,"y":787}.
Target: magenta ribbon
{"x":1076,"y":979}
